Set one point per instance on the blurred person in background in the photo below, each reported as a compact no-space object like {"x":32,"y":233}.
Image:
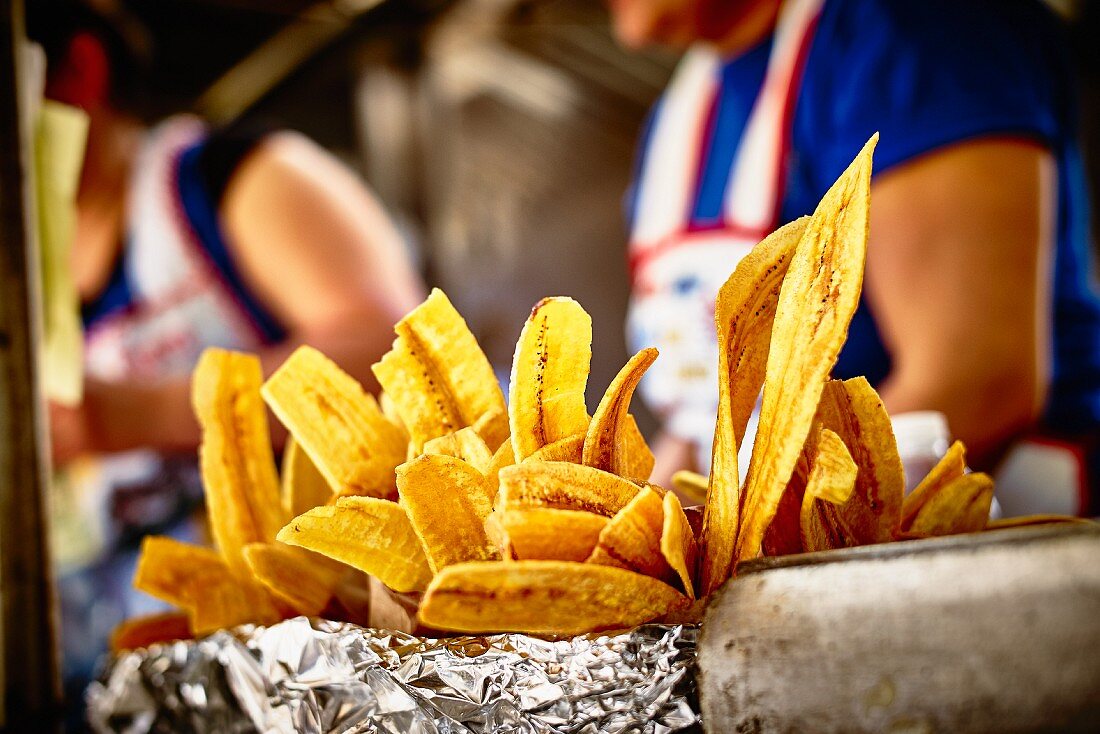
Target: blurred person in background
{"x":187,"y":238}
{"x":978,"y":300}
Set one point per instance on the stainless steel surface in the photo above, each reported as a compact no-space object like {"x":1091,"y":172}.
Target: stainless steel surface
{"x":28,"y":680}
{"x":994,"y":632}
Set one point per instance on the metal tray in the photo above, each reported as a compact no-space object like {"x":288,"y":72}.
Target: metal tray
{"x":992,"y":632}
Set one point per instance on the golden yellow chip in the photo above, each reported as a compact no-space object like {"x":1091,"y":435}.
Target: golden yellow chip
{"x":855,"y":412}
{"x":549,"y":374}
{"x":436,"y":373}
{"x":632,"y":540}
{"x":304,"y":487}
{"x":227,"y":601}
{"x":816,"y":302}
{"x":604,"y":443}
{"x":502,"y":458}
{"x":636,"y":460}
{"x":543,"y":597}
{"x":237,"y":463}
{"x":830,"y":486}
{"x":544,"y":533}
{"x":691,"y":485}
{"x":341,"y":427}
{"x":950,"y":467}
{"x":372,"y":535}
{"x":678,"y":544}
{"x":165,"y":566}
{"x":493,"y":428}
{"x":565,"y":486}
{"x":389,"y":409}
{"x":565,"y":449}
{"x":743,"y":317}
{"x":447,"y":501}
{"x":304,"y":580}
{"x":465,"y":444}
{"x":960,"y":506}
{"x":139,"y":632}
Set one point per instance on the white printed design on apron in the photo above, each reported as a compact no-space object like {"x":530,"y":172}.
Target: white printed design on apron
{"x":182,"y":304}
{"x":678,"y":270}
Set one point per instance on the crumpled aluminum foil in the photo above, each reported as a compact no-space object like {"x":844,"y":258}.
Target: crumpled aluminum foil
{"x":307,"y":675}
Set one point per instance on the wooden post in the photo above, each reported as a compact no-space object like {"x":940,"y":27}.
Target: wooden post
{"x":28,"y":679}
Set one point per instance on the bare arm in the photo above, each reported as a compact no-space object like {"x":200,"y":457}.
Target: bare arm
{"x":317,"y":250}
{"x":959,"y":278}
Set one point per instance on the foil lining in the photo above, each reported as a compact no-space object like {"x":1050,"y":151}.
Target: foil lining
{"x":307,"y":675}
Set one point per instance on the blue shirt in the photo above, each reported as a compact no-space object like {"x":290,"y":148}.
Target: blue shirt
{"x":926,"y":74}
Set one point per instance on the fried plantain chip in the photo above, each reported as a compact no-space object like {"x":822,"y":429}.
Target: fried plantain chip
{"x":784,"y":534}
{"x":635,"y":457}
{"x":237,"y":463}
{"x":632,"y":540}
{"x":219,"y":602}
{"x":304,"y":580}
{"x":150,"y":629}
{"x":389,"y":409}
{"x":549,"y":374}
{"x":447,"y":501}
{"x":501,"y":458}
{"x":545,"y":533}
{"x":818,"y":298}
{"x":960,"y":506}
{"x":564,"y":486}
{"x":436,"y":373}
{"x":565,"y":449}
{"x":372,"y":535}
{"x":493,"y":428}
{"x":543,"y":597}
{"x":341,"y":427}
{"x":165,"y":566}
{"x":949,"y":468}
{"x":830,"y":486}
{"x":855,"y":412}
{"x":743,"y":316}
{"x":304,"y":487}
{"x":691,"y":485}
{"x":465,"y":444}
{"x":604,"y":444}
{"x":677,"y":542}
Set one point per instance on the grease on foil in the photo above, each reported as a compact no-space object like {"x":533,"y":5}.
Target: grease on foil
{"x":316,"y":676}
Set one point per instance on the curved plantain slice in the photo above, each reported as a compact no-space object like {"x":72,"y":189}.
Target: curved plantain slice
{"x":854,"y":411}
{"x":960,"y":506}
{"x":632,"y":539}
{"x":830,"y":486}
{"x":543,"y":597}
{"x":565,"y":449}
{"x":565,"y":486}
{"x":304,"y":487}
{"x":165,"y":566}
{"x":389,"y":409}
{"x":465,"y":444}
{"x":816,"y":303}
{"x":743,"y":315}
{"x":492,"y":426}
{"x":678,"y":543}
{"x":436,"y":373}
{"x":691,"y":485}
{"x":370,"y":534}
{"x":636,"y":460}
{"x":150,"y":629}
{"x":501,"y":458}
{"x":447,"y":501}
{"x":341,"y":427}
{"x":544,"y":533}
{"x":302,"y":579}
{"x":228,"y":601}
{"x":950,"y":467}
{"x":604,"y":444}
{"x":549,"y":373}
{"x":238,"y":466}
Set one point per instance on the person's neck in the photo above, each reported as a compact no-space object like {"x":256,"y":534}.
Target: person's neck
{"x":755,"y":22}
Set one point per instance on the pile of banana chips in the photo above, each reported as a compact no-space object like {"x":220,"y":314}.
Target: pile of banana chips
{"x":530,"y":515}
